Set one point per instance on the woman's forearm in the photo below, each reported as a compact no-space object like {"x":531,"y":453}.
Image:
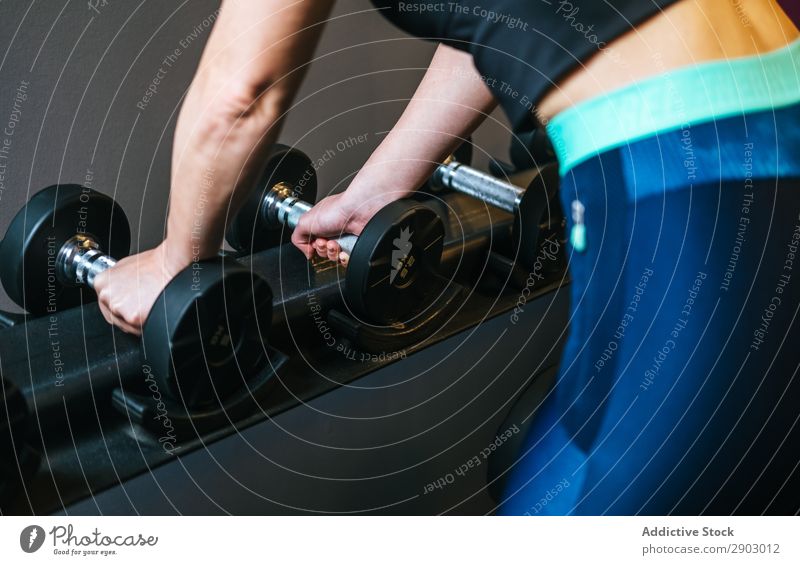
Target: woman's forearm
{"x":211,"y":166}
{"x":247,"y":77}
{"x":450,"y":103}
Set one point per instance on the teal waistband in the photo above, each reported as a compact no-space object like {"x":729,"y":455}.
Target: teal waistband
{"x":677,"y":99}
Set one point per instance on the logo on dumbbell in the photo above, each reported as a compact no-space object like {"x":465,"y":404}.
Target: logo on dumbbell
{"x":402,"y":260}
{"x":31,"y":539}
{"x":221,"y":337}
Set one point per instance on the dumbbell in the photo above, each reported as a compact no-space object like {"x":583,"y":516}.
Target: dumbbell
{"x":462,"y":154}
{"x":204,"y":328}
{"x":250,"y":231}
{"x":392,"y":266}
{"x":529,"y":206}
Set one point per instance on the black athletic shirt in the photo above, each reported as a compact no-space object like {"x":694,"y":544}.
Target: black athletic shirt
{"x":522,"y":47}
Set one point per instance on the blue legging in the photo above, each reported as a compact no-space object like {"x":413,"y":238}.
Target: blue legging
{"x":678,"y":390}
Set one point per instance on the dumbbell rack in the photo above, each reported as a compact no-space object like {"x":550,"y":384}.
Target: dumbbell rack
{"x":123,"y":442}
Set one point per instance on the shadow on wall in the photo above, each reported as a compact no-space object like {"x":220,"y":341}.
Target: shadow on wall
{"x":91,"y":93}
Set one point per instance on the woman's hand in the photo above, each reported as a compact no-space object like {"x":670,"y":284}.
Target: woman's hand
{"x":451,"y":101}
{"x":336,"y":215}
{"x":127,"y":291}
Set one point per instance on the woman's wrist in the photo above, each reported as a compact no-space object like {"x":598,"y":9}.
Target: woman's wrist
{"x":176,"y":255}
{"x":381,"y":181}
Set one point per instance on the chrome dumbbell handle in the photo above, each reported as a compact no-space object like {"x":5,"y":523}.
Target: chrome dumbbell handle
{"x":472,"y":182}
{"x":80,"y":260}
{"x":280,"y":206}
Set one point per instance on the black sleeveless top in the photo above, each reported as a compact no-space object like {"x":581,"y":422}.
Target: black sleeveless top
{"x":522,"y":47}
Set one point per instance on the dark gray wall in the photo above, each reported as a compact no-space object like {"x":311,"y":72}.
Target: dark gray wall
{"x":71,"y":77}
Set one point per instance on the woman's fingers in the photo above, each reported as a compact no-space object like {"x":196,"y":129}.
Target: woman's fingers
{"x":325,"y":218}
{"x":321,"y":247}
{"x":301,"y":241}
{"x":333,"y":250}
{"x":106,"y":314}
{"x":126,"y":327}
{"x":115,"y":319}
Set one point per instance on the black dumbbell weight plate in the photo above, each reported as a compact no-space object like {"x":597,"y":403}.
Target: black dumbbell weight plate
{"x":392,"y":273}
{"x":534,"y":207}
{"x":36,"y":234}
{"x":248,"y":231}
{"x":205,"y":331}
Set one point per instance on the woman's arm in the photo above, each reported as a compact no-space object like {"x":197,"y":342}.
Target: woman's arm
{"x":450,"y":103}
{"x":249,"y":72}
